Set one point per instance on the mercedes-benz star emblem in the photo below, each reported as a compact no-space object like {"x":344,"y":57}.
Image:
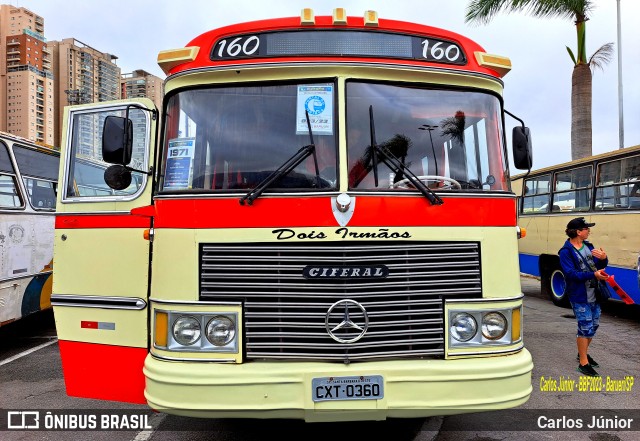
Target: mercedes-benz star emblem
{"x":346,"y":323}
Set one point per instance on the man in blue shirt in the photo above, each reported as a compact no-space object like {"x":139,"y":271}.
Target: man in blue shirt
{"x":583,"y":267}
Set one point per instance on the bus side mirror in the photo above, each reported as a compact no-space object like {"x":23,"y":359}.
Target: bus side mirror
{"x":521,"y":143}
{"x":117,"y":140}
{"x":117,"y":177}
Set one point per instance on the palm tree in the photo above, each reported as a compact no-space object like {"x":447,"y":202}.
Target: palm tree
{"x":581,"y":139}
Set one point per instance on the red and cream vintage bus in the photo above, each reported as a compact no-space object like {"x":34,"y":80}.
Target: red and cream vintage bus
{"x":318,"y":224}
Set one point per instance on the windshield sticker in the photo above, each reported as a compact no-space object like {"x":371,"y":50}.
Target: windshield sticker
{"x":179,"y":171}
{"x":317,"y":100}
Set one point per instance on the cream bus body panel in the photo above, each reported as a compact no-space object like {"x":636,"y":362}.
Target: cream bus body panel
{"x":545,"y":235}
{"x":92,"y":275}
{"x":175,"y":259}
{"x":272,"y":389}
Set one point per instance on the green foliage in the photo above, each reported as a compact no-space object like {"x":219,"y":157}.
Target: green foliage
{"x":573,"y":57}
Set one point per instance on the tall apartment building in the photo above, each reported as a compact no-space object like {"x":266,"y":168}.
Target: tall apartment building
{"x":83,"y":75}
{"x":26,"y":80}
{"x":139,"y":84}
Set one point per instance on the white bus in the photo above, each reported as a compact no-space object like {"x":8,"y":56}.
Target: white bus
{"x":28,"y":187}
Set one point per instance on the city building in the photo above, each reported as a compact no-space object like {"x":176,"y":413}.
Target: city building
{"x":27,"y":87}
{"x":141,"y":83}
{"x":83,"y":75}
{"x":39,"y":78}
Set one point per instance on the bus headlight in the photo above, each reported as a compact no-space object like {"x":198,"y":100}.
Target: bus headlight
{"x":220,"y":331}
{"x":486,"y":329}
{"x":186,"y":330}
{"x":463,"y":327}
{"x":494,"y":326}
{"x":197,"y":331}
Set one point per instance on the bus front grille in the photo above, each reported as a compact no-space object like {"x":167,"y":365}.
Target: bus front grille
{"x":286,"y":315}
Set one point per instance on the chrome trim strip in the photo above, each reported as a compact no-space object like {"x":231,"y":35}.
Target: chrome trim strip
{"x":24,"y":276}
{"x":194,"y":303}
{"x":92,"y":213}
{"x":219,"y":360}
{"x":372,"y":193}
{"x":22,"y":212}
{"x":348,"y":64}
{"x":104,"y":302}
{"x":341,"y":357}
{"x":219,"y":195}
{"x":504,"y":351}
{"x":485,"y":299}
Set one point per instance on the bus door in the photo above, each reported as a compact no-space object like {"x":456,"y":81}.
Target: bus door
{"x":100,"y":292}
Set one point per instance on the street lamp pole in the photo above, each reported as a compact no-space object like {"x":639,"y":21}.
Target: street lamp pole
{"x":431,"y":128}
{"x":620,"y":111}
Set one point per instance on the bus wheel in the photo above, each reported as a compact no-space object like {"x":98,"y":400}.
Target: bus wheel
{"x":558,"y":289}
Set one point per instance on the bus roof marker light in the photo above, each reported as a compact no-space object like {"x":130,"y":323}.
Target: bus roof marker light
{"x":339,"y":16}
{"x":307,"y":18}
{"x":171,"y":58}
{"x":371,"y":18}
{"x":500,"y":64}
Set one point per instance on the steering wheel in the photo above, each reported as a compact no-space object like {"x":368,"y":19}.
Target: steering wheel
{"x":448,"y":183}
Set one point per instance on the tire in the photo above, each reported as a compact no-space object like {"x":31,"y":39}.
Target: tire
{"x":558,"y":289}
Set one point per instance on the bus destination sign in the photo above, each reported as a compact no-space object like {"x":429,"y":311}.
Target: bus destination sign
{"x":338,"y":43}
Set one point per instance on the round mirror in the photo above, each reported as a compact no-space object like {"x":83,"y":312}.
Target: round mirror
{"x":117,"y":177}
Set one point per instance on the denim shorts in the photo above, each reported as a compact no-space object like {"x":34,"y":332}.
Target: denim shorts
{"x":588,"y":317}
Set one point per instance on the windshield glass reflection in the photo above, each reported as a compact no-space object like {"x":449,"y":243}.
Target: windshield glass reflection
{"x":451,"y":139}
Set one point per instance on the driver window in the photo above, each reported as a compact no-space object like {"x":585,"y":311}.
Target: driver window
{"x":85,"y":173}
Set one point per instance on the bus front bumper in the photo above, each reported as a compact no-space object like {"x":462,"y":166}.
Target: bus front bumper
{"x":412,"y":388}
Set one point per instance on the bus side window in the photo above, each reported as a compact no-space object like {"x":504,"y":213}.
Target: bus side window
{"x":536,"y":195}
{"x":619,"y":184}
{"x":41,"y":193}
{"x":9,"y":194}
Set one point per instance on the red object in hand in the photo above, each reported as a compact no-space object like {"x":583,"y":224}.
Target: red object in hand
{"x":618,"y":290}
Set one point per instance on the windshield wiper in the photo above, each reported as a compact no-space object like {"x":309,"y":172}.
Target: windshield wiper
{"x":398,"y":166}
{"x":285,"y":169}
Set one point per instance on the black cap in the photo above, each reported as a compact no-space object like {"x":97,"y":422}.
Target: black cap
{"x":578,"y":224}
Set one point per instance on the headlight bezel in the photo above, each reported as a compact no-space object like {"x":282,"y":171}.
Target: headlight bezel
{"x":479,"y":341}
{"x":203,"y":344}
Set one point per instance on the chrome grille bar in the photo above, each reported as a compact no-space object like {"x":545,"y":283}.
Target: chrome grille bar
{"x":284,"y":313}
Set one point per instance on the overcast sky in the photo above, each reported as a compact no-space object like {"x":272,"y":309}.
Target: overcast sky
{"x":538,"y":89}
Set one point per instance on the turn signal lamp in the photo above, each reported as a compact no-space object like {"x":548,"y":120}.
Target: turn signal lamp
{"x":169,"y":59}
{"x":502,"y":65}
{"x":516,"y":324}
{"x":522,"y":232}
{"x":162,"y":326}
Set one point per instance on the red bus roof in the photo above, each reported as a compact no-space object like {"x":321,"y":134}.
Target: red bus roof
{"x":202,"y":57}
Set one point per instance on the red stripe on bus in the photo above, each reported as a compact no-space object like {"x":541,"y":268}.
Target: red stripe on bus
{"x":317,"y":212}
{"x":101,"y":221}
{"x":103,"y":372}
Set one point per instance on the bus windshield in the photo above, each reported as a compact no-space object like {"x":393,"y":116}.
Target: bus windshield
{"x":232,"y":138}
{"x":452,"y":134}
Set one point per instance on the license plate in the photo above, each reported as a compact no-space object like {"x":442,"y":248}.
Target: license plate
{"x":369,"y":387}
